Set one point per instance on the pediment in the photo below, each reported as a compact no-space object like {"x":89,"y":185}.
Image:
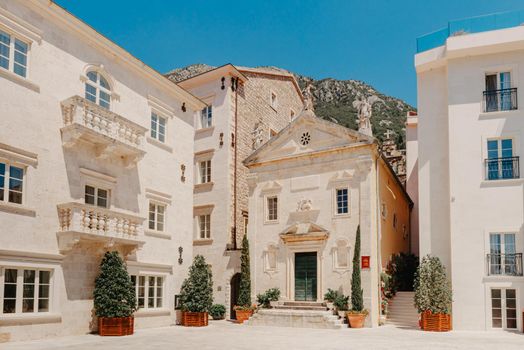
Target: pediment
{"x":306,"y":231}
{"x":307,"y":134}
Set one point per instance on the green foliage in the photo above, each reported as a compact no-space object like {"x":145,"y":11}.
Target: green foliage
{"x":331,"y":295}
{"x":385,"y":278}
{"x":217,"y":311}
{"x":114,"y":294}
{"x":271,"y":294}
{"x":357,"y":298}
{"x":196,"y":294}
{"x":244,"y":294}
{"x":402,"y":268}
{"x":341,"y":302}
{"x":432,"y":287}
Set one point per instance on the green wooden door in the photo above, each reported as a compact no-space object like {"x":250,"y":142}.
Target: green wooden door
{"x":306,"y":276}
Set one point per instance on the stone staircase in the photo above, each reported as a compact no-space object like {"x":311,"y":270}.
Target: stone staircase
{"x":401,"y":311}
{"x":297,"y":314}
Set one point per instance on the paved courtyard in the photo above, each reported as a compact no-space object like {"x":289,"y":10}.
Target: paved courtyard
{"x":225,"y":335}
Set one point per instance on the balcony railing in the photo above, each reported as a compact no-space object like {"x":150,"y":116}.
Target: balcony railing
{"x":80,"y":221}
{"x":504,"y":264}
{"x":502,"y":168}
{"x":111,"y":133}
{"x":500,"y":100}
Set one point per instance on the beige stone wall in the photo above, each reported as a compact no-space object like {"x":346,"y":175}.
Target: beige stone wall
{"x":253,"y":107}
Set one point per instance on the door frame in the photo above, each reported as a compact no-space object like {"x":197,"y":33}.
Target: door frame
{"x":303,"y":247}
{"x":489,"y":315}
{"x":316,"y":270}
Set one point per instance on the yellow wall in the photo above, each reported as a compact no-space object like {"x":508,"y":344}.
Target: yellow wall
{"x":394,"y":238}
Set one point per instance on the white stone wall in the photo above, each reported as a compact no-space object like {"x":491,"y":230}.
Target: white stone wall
{"x":31,"y":122}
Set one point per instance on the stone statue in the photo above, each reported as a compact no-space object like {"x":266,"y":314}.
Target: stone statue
{"x":258,"y":138}
{"x":364,"y":111}
{"x":304,"y":205}
{"x":308,"y":98}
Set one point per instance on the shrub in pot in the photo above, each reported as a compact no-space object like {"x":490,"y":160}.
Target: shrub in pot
{"x":244,"y":309}
{"x":341,"y":303}
{"x":217,"y":311}
{"x":265,"y":299}
{"x":114,"y":297}
{"x":357,"y":315}
{"x":330,"y":297}
{"x":433,"y":295}
{"x":196,"y":295}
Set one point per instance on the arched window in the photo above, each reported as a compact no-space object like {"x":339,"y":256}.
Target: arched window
{"x":98,"y":89}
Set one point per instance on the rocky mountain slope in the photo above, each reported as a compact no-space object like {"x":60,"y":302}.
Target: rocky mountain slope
{"x":333,"y":100}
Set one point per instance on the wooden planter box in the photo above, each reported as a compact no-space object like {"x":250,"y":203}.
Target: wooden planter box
{"x":194,"y":319}
{"x":116,"y":326}
{"x":243,"y":315}
{"x":435,"y":322}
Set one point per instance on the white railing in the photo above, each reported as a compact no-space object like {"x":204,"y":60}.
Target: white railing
{"x":78,"y":110}
{"x":83,"y":218}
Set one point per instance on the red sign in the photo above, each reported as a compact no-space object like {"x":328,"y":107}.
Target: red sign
{"x":365,"y":262}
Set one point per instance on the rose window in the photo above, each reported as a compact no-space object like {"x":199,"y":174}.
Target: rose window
{"x":305,"y":138}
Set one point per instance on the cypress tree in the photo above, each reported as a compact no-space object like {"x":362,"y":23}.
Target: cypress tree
{"x":244,"y":294}
{"x":114,"y":294}
{"x":196,"y":294}
{"x":357,"y":299}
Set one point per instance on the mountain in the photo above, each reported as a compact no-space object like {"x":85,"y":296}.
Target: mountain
{"x":333,"y":100}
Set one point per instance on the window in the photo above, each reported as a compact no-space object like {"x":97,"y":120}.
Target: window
{"x":383,"y":210}
{"x":97,"y":89}
{"x":499,"y":94}
{"x":205,"y":171}
{"x":504,"y":308}
{"x":96,"y":196}
{"x":342,"y":201}
{"x":273,"y":100}
{"x":149,"y":291}
{"x":272,"y":208}
{"x":501,"y":164}
{"x":13,"y":54}
{"x":204,"y":226}
{"x":158,"y":127}
{"x":206,"y":117}
{"x":395,"y":221}
{"x":11,"y":183}
{"x":503,"y":258}
{"x":156,"y":216}
{"x":25,"y":290}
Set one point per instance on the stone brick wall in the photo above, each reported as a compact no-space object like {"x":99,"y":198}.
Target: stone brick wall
{"x":254,"y":107}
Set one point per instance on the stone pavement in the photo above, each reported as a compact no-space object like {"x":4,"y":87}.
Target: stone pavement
{"x":226,"y":335}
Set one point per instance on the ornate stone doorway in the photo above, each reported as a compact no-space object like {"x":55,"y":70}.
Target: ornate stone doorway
{"x":306,"y":276}
{"x":235,"y":287}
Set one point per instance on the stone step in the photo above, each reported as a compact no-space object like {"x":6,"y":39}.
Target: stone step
{"x":293,"y":307}
{"x":302,"y":303}
{"x":295,"y":318}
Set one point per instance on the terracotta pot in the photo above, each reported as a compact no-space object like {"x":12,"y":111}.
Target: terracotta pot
{"x":356,"y":320}
{"x":116,"y":326}
{"x":243,"y":315}
{"x":435,"y":322}
{"x":195,"y":319}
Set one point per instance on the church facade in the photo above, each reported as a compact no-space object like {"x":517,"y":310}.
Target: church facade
{"x":311,"y":187}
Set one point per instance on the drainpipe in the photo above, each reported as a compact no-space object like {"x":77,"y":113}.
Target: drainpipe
{"x":234,"y":229}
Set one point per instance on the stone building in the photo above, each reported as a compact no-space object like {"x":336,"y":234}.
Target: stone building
{"x":310,"y":187}
{"x":245,"y":108}
{"x":96,"y":154}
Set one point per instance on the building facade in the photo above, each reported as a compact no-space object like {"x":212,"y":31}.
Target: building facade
{"x":470,"y":191}
{"x":245,"y":108}
{"x":311,"y":187}
{"x":96,"y":154}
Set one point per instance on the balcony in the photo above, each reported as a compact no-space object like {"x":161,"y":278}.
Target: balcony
{"x":502,"y":168}
{"x":504,"y":264}
{"x":111,"y":134}
{"x":83,"y":222}
{"x":499,"y":100}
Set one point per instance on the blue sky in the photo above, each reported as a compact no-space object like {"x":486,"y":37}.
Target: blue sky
{"x":368,"y":40}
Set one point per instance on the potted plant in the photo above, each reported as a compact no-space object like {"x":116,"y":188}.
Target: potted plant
{"x":271,"y":295}
{"x":244,"y":309}
{"x":341,"y":304}
{"x":330,"y":297}
{"x":217,"y":311}
{"x":433,"y":295}
{"x":196,"y":295}
{"x":357,"y":315}
{"x":114,"y":297}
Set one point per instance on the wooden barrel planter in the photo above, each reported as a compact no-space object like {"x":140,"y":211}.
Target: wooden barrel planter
{"x":116,"y":326}
{"x":435,"y":322}
{"x":194,"y":319}
{"x":243,"y":315}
